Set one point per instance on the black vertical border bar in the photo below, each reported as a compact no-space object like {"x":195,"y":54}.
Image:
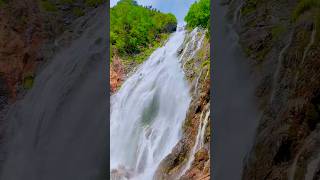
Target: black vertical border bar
{"x":212,"y":75}
{"x":108,"y":92}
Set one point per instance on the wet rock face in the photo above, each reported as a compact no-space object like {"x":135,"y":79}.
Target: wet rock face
{"x":285,"y":62}
{"x":196,"y":72}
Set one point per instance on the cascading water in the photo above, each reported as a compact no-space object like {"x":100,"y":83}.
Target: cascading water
{"x":278,"y":68}
{"x":58,"y":130}
{"x":147,"y":113}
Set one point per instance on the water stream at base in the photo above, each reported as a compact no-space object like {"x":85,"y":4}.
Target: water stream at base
{"x":147,"y":113}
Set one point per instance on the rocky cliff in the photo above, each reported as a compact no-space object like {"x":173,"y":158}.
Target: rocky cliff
{"x":190,"y":158}
{"x":281,"y":40}
{"x":27,"y":27}
{"x":30,"y":34}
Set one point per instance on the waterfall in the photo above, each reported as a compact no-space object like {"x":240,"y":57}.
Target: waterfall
{"x":278,"y":68}
{"x":147,"y":113}
{"x":194,"y":44}
{"x":57,"y":131}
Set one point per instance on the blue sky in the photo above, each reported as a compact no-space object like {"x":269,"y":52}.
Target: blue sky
{"x":177,"y":7}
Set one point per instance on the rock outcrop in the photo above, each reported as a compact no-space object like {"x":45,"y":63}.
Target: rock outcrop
{"x":21,"y":35}
{"x":283,"y":48}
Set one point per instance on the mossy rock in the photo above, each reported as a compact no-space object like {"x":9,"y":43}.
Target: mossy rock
{"x":28,"y":82}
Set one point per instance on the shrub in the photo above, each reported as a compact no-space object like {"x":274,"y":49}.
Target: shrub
{"x":134,"y":28}
{"x":199,"y":14}
{"x":28,"y":82}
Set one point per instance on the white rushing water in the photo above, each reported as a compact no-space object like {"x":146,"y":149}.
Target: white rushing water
{"x":147,"y":113}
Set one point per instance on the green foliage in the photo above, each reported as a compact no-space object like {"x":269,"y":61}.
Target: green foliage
{"x":2,"y":2}
{"x":78,"y":11}
{"x":199,"y":14}
{"x":303,"y":6}
{"x":147,"y":51}
{"x":48,"y":6}
{"x":133,"y":28}
{"x":250,"y":6}
{"x":28,"y":82}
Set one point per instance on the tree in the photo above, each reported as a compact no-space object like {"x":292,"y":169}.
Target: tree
{"x":199,"y":14}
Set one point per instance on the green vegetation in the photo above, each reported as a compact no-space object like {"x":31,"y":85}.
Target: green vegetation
{"x":2,"y":2}
{"x":303,"y":6}
{"x":250,"y":6}
{"x":308,"y":5}
{"x":199,"y":14}
{"x":135,"y":31}
{"x":147,"y":51}
{"x":48,"y":6}
{"x":28,"y":82}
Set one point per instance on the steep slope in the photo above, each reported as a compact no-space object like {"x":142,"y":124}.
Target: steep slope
{"x":190,"y":158}
{"x":281,"y":39}
{"x":29,"y":36}
{"x":57,"y":131}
